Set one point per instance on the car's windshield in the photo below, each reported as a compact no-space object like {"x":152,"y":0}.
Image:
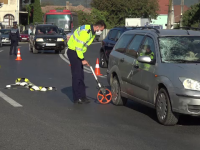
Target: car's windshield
{"x":47,"y":30}
{"x":62,"y":21}
{"x":5,"y":31}
{"x":180,"y":49}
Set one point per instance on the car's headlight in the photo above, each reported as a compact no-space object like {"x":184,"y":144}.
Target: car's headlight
{"x":39,"y":40}
{"x":190,"y":84}
{"x":60,"y":39}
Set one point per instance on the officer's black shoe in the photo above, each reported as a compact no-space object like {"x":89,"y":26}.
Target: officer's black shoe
{"x":86,"y":100}
{"x":79,"y":101}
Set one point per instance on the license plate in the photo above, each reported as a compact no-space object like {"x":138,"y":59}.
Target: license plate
{"x":24,"y":38}
{"x":50,"y":44}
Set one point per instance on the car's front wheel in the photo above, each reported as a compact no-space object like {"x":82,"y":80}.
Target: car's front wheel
{"x":163,"y":109}
{"x":103,"y":63}
{"x":116,"y":93}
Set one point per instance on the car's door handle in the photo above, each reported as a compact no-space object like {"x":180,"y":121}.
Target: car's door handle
{"x":122,"y":59}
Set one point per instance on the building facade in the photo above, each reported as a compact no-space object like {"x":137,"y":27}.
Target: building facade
{"x":12,"y":11}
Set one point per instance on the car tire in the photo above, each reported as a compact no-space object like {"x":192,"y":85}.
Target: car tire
{"x":164,"y":110}
{"x":34,"y":50}
{"x":62,"y":52}
{"x":57,"y":52}
{"x":1,"y":44}
{"x":103,"y":63}
{"x":116,"y":93}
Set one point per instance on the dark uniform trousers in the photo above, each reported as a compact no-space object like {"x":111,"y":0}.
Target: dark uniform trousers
{"x":14,"y":43}
{"x":78,"y":85}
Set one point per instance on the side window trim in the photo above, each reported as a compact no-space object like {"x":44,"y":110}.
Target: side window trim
{"x":127,"y":44}
{"x":147,"y":36}
{"x":115,"y":36}
{"x":126,"y":53}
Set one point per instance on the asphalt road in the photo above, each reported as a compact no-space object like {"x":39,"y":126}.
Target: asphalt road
{"x":50,"y":121}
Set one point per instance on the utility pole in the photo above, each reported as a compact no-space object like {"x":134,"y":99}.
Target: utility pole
{"x":169,"y":15}
{"x":182,"y":7}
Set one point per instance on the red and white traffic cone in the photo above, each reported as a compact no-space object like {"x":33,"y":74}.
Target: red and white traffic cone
{"x":97,"y":69}
{"x":18,"y":55}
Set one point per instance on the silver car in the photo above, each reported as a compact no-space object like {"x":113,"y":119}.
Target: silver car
{"x":159,"y":68}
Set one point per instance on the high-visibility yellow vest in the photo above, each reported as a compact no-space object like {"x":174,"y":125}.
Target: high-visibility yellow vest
{"x":81,"y":39}
{"x":146,"y":66}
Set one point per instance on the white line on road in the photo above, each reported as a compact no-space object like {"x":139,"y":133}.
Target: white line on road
{"x":1,"y":50}
{"x":10,"y":100}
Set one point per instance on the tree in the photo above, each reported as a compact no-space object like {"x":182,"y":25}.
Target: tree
{"x":37,"y":12}
{"x":118,"y":10}
{"x":192,"y":16}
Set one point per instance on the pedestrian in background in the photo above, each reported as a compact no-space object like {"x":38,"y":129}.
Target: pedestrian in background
{"x":77,"y":46}
{"x":14,"y":37}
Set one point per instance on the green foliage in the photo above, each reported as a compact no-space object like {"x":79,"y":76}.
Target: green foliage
{"x":117,"y":10}
{"x":60,"y":8}
{"x":191,"y":17}
{"x":93,"y":17}
{"x":28,"y":9}
{"x":37,"y":13}
{"x":43,"y":4}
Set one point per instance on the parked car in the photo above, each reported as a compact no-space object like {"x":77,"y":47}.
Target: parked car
{"x":0,"y":40}
{"x":109,"y":42}
{"x":47,"y":37}
{"x":62,"y":33}
{"x":159,"y":68}
{"x":24,"y":36}
{"x":5,"y":36}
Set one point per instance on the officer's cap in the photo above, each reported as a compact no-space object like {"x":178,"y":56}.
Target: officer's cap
{"x":15,"y":23}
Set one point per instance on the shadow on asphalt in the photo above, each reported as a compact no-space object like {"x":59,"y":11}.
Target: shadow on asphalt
{"x":150,"y":112}
{"x":184,"y":120}
{"x":68,"y":92}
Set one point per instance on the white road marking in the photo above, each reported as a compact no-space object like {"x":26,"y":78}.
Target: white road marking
{"x":1,"y":50}
{"x":10,"y":100}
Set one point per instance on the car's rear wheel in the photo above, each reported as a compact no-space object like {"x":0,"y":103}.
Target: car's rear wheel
{"x":34,"y":50}
{"x":103,"y":62}
{"x":163,"y":109}
{"x":116,"y":93}
{"x":1,"y":44}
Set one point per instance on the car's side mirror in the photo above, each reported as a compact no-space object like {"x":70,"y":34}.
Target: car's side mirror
{"x":145,"y":59}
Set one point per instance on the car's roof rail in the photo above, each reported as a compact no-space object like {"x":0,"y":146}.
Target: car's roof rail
{"x":157,"y":31}
{"x":37,"y":23}
{"x":188,"y":28}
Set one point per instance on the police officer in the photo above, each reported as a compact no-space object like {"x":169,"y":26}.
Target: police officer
{"x":77,"y":46}
{"x":14,"y":37}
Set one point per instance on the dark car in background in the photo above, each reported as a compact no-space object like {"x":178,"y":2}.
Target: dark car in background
{"x":24,"y":37}
{"x":47,"y":37}
{"x":5,"y":36}
{"x":62,"y":32}
{"x":109,"y":42}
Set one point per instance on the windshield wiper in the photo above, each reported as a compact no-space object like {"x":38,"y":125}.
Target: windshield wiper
{"x":184,"y":61}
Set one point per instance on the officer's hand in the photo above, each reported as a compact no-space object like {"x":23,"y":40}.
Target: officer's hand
{"x":84,"y":62}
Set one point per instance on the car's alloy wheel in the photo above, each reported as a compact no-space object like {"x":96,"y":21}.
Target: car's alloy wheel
{"x":163,"y":109}
{"x":116,"y":93}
